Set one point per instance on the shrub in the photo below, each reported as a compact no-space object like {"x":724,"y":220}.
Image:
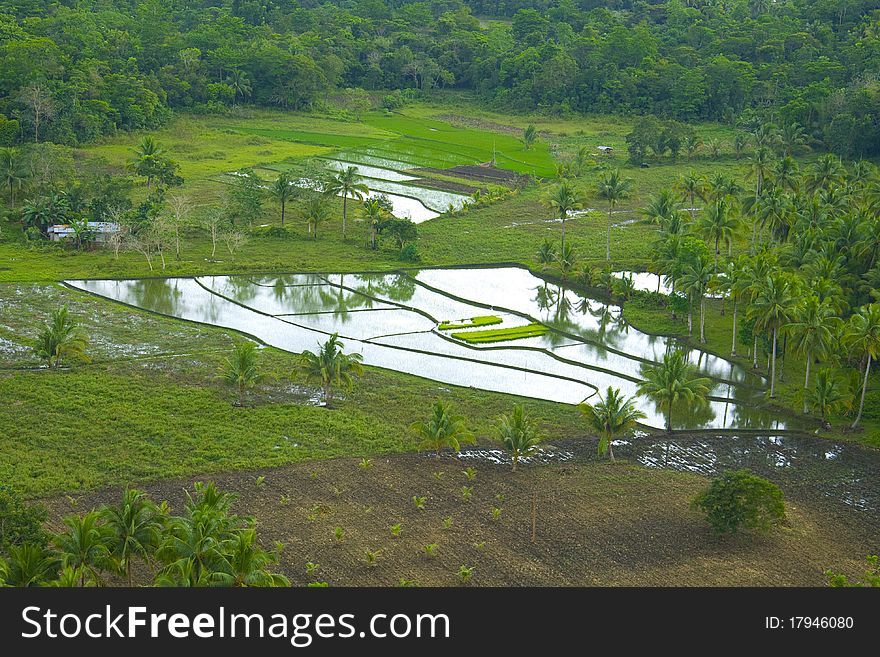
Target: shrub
{"x":409,"y":253}
{"x":871,"y":579}
{"x":741,"y":499}
{"x":272,"y":231}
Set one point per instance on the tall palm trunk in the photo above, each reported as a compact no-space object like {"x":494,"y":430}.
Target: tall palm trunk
{"x":755,"y":352}
{"x":702,"y":319}
{"x":563,"y":231}
{"x":669,"y":421}
{"x":344,"y":213}
{"x":733,"y":341}
{"x":282,"y":212}
{"x":864,"y":390}
{"x":807,"y":380}
{"x":773,"y":367}
{"x":608,"y":240}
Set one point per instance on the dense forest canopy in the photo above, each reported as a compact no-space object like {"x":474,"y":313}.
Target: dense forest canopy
{"x":74,"y":70}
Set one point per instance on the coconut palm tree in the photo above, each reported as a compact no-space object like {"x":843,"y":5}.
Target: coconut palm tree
{"x":282,"y":190}
{"x":862,"y":335}
{"x":814,"y":327}
{"x":240,"y":83}
{"x":792,"y":138}
{"x":346,"y":183}
{"x":661,"y":208}
{"x":714,"y":146}
{"x":241,"y":368}
{"x":772,"y":308}
{"x":786,"y":174}
{"x":566,"y":261}
{"x":760,"y":164}
{"x":147,"y":159}
{"x":738,"y":289}
{"x":691,"y":187}
{"x":442,"y":429}
{"x":828,"y":395}
{"x":331,"y":366}
{"x":245,"y":563}
{"x":697,"y":276}
{"x":825,"y":172}
{"x":563,"y":200}
{"x":613,"y":189}
{"x":85,"y":544}
{"x":718,"y":224}
{"x":59,"y":338}
{"x":13,"y":173}
{"x":135,"y":526}
{"x":29,"y":565}
{"x":315,"y":210}
{"x":671,"y":381}
{"x":612,"y":416}
{"x":519,"y":434}
{"x":373,"y":213}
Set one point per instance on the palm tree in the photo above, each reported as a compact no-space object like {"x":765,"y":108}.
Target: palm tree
{"x":546,"y":254}
{"x":85,"y":544}
{"x":691,"y":187}
{"x":346,"y":183}
{"x":718,"y":224}
{"x":530,"y":134}
{"x":862,"y":335}
{"x":331,"y":366}
{"x":613,"y":189}
{"x":671,"y":381}
{"x":241,"y":368}
{"x":826,"y":172}
{"x":566,"y":261}
{"x":772,"y":308}
{"x":715,"y":145}
{"x":282,"y":190}
{"x":519,"y":434}
{"x":59,"y":338}
{"x":241,"y":85}
{"x":740,"y":141}
{"x":759,"y":164}
{"x":12,"y":172}
{"x":786,"y":174}
{"x":315,"y":210}
{"x":738,"y":288}
{"x":564,"y":199}
{"x":28,"y":565}
{"x":442,"y":429}
{"x":146,"y":158}
{"x":373,"y":213}
{"x":612,"y":416}
{"x":135,"y":526}
{"x":792,"y":137}
{"x":814,"y":327}
{"x":245,"y":563}
{"x":827,"y":395}
{"x":696,"y":278}
{"x":661,"y":208}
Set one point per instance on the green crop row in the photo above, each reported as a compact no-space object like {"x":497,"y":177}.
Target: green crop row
{"x":473,"y":322}
{"x":501,"y":335}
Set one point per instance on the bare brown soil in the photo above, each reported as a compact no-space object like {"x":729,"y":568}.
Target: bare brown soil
{"x":482,"y":174}
{"x":597,"y":524}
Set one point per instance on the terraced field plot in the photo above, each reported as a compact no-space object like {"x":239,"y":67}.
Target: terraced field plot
{"x":393,"y":319}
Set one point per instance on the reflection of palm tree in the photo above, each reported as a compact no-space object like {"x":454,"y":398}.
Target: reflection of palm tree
{"x":156,"y":294}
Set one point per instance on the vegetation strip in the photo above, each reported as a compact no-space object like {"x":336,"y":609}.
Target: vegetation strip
{"x":480,"y":320}
{"x":501,"y":335}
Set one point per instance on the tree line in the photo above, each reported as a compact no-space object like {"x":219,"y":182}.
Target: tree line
{"x":74,"y":73}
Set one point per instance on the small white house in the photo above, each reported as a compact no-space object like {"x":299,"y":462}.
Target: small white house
{"x":101,"y":231}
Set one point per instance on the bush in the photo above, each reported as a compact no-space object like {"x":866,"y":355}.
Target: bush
{"x":409,"y":253}
{"x":741,"y":499}
{"x":19,"y":523}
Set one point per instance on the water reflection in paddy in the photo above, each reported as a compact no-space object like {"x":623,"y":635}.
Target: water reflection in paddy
{"x":392,"y":320}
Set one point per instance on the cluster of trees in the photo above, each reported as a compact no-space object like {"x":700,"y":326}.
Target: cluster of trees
{"x":72,"y":73}
{"x":44,"y":189}
{"x":656,"y":138}
{"x":809,"y":274}
{"x":207,"y":545}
